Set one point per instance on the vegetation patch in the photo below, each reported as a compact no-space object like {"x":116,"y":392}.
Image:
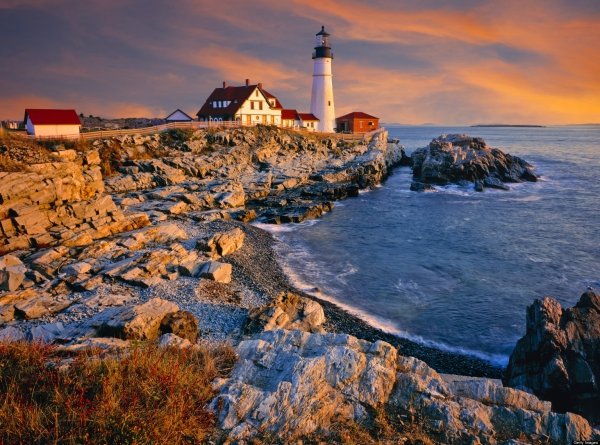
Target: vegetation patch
{"x":148,"y":395}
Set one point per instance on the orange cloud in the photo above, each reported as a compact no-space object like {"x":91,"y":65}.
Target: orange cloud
{"x":13,"y":107}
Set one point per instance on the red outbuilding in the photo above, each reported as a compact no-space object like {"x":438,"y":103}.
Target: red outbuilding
{"x":357,"y":122}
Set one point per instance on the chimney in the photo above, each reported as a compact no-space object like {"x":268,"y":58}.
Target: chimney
{"x":247,"y":82}
{"x":260,"y":85}
{"x":224,"y":84}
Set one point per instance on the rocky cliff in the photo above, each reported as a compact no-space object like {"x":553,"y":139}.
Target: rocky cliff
{"x":558,"y":358}
{"x":62,"y":202}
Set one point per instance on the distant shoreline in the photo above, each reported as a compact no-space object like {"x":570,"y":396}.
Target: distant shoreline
{"x":509,"y":125}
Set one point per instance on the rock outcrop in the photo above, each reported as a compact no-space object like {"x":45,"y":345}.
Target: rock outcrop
{"x":457,"y":158}
{"x":59,"y":203}
{"x":558,"y":359}
{"x":287,"y":311}
{"x":290,"y":384}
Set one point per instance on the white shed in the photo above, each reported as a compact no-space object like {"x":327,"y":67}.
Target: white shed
{"x":178,"y":116}
{"x":52,"y":123}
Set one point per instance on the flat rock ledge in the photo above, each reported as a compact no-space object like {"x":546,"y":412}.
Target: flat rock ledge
{"x":290,"y":384}
{"x":458,"y":158}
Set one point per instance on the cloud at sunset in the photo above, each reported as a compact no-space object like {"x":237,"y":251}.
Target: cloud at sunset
{"x":408,"y":62}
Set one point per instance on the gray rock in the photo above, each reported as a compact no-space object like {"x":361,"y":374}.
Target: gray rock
{"x":47,"y":333}
{"x":287,"y":311}
{"x":173,"y":341}
{"x":457,"y":157}
{"x":11,"y":334}
{"x":290,"y":384}
{"x":559,"y":357}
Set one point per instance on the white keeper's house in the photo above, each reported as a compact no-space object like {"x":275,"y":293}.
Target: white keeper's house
{"x":52,"y":123}
{"x":247,"y":105}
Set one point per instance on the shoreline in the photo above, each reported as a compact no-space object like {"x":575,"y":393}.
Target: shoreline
{"x":272,"y":279}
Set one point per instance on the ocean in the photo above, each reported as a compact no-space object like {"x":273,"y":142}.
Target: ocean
{"x":456,"y":269}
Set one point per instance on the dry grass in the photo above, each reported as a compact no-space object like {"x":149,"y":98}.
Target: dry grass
{"x":149,"y":396}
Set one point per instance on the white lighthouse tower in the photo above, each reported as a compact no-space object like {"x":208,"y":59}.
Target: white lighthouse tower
{"x":321,"y":100}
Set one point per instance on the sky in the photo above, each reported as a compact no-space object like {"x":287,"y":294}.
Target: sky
{"x":447,"y":62}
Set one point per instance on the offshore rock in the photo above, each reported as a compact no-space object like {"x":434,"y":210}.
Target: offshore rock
{"x":457,"y":157}
{"x":290,"y":384}
{"x":558,"y":359}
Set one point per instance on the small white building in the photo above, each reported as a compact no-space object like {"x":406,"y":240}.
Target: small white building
{"x":52,"y":123}
{"x":247,"y":105}
{"x":178,"y":116}
{"x":309,"y":121}
{"x":290,"y":119}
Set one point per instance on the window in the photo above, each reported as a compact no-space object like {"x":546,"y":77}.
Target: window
{"x":329,"y":102}
{"x":371,"y":123}
{"x":220,"y":104}
{"x":252,"y":105}
{"x":257,"y":117}
{"x":260,"y":105}
{"x":256,"y":93}
{"x":214,"y":104}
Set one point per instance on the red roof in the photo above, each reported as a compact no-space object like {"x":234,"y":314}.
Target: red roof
{"x":270,"y":96}
{"x":290,"y":114}
{"x":236,"y":95}
{"x":51,"y":117}
{"x":308,"y":117}
{"x":357,"y":115}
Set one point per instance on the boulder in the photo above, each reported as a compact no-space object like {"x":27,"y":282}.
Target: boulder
{"x":287,"y":311}
{"x":46,"y":333}
{"x":224,"y":243}
{"x":38,"y":306}
{"x":12,"y":273}
{"x":183,"y":324}
{"x":457,"y":157}
{"x":421,"y":187}
{"x":293,"y":384}
{"x":173,"y":341}
{"x":216,"y":271}
{"x":558,"y":359}
{"x":140,"y":322}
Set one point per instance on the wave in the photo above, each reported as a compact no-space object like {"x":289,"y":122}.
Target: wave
{"x":377,"y":322}
{"x":282,"y":228}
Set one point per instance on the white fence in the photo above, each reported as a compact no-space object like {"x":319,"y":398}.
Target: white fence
{"x":194,"y":125}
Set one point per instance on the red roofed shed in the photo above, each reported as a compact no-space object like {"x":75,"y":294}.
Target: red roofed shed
{"x":43,"y":122}
{"x":357,"y":122}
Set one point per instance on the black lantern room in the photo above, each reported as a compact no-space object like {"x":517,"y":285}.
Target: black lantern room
{"x":322,"y":48}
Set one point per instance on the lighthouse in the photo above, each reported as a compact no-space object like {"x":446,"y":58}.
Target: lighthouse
{"x":321,"y":100}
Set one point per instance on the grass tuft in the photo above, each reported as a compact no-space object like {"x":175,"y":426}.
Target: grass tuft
{"x":150,"y":395}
